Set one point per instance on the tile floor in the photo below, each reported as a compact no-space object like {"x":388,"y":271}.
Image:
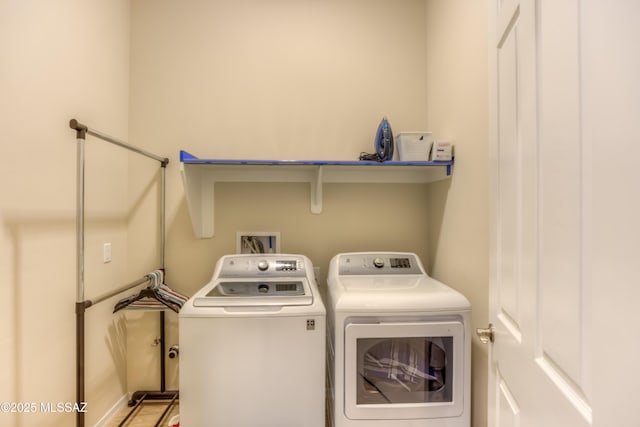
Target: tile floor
{"x":147,"y":415}
{"x":149,"y":412}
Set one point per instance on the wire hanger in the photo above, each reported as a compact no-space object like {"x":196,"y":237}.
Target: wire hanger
{"x":157,"y":291}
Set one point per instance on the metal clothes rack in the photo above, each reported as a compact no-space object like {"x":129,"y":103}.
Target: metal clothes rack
{"x":83,"y":304}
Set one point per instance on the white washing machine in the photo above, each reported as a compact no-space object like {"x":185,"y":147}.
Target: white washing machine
{"x":399,"y":346}
{"x":252,"y":346}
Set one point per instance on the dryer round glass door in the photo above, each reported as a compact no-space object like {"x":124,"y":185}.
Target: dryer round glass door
{"x":404,"y":370}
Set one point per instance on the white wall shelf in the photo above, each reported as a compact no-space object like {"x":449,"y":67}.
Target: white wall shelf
{"x":200,"y":175}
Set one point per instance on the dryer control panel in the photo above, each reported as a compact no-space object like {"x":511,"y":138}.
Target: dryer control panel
{"x":379,"y":263}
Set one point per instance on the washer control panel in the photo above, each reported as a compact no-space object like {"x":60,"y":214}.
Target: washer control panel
{"x":379,"y":263}
{"x":260,"y":266}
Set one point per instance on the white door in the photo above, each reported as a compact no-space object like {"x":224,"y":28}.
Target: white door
{"x":562,"y":331}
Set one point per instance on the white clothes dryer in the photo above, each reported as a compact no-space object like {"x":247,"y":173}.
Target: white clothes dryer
{"x":399,"y":346}
{"x":252,"y":346}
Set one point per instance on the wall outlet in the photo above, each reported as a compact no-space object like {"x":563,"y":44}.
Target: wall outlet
{"x":106,"y":253}
{"x":258,"y":242}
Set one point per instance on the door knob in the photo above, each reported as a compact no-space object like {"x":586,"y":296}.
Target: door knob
{"x":485,"y":334}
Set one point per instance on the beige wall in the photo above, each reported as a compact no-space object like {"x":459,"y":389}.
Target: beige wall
{"x":60,"y":60}
{"x":458,"y":209}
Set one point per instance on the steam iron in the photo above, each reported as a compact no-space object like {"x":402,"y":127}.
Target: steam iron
{"x":384,"y":141}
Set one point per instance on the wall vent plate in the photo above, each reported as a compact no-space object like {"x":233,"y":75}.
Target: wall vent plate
{"x":258,"y":242}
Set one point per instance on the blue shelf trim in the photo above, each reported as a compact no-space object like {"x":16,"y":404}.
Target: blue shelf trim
{"x":188,"y":158}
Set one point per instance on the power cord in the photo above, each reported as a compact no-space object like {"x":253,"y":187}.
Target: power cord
{"x":371,"y":157}
{"x":253,"y":244}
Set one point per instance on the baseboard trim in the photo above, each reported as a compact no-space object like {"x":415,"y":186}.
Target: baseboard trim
{"x":111,"y":413}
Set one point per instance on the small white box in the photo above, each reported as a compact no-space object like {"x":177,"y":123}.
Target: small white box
{"x":414,"y":146}
{"x":267,"y":242}
{"x":442,"y":151}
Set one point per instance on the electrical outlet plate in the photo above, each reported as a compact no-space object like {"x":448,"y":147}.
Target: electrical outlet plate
{"x":248,"y":242}
{"x":106,"y":253}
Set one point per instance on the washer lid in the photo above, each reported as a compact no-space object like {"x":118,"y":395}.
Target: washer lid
{"x":272,"y":292}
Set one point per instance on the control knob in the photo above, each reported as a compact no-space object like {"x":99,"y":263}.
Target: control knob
{"x":263,"y":265}
{"x":378,"y":262}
